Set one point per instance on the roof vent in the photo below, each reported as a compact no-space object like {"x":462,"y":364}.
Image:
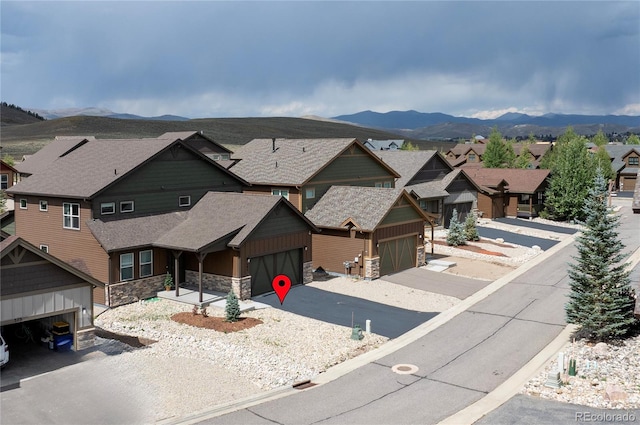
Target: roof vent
{"x":303,"y":149}
{"x":273,"y":144}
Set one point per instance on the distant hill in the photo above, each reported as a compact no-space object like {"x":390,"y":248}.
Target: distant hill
{"x":14,"y":115}
{"x":422,"y":125}
{"x":52,"y":114}
{"x":26,"y":139}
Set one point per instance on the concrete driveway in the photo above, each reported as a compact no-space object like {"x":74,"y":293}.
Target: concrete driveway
{"x":439,"y":283}
{"x":336,"y":308}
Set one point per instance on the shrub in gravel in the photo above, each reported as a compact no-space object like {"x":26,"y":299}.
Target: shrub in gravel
{"x":470,"y":229}
{"x":232,"y":308}
{"x":456,"y":235}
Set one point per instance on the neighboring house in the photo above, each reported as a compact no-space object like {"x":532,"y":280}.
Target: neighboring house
{"x":41,"y":289}
{"x":437,"y":187}
{"x":512,"y":192}
{"x":471,"y":153}
{"x":302,"y":170}
{"x":8,"y":175}
{"x":384,"y":145}
{"x":368,"y":231}
{"x":89,"y":179}
{"x":625,"y":161}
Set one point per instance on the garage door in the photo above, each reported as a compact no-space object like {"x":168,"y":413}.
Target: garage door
{"x":463,"y":209}
{"x":397,"y":255}
{"x":264,"y":269}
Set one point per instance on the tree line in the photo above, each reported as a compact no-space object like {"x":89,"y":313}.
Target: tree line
{"x":17,"y":108}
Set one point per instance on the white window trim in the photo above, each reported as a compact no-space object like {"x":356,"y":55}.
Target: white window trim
{"x":313,"y":193}
{"x":45,"y":203}
{"x":107,"y":204}
{"x":150,"y":251}
{"x":71,"y":216}
{"x":5,"y":183}
{"x":25,"y":204}
{"x":127,"y":202}
{"x":181,"y":204}
{"x":128,"y":266}
{"x":377,"y":184}
{"x":44,"y":248}
{"x":279,"y":192}
{"x":386,"y":185}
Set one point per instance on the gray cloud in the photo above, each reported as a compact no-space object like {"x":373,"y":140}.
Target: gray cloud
{"x":324,"y":58}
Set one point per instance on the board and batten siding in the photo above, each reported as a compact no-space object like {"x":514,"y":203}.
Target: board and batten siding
{"x":333,"y":247}
{"x":156,"y":186}
{"x":259,"y":247}
{"x":401,"y":230}
{"x":294,"y":194}
{"x":76,"y":247}
{"x":435,"y":169}
{"x":219,"y":262}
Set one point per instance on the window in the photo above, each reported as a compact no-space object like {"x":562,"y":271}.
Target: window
{"x":184,"y":201}
{"x":107,"y":208}
{"x":281,"y":192}
{"x":126,"y":206}
{"x":4,"y":181}
{"x":44,"y":205}
{"x":310,"y":193}
{"x":633,"y":160}
{"x":44,"y":248}
{"x":146,"y":263}
{"x":225,"y":156}
{"x":387,"y":185}
{"x":126,"y":266}
{"x":215,"y":157}
{"x":472,"y":157}
{"x":23,"y":204}
{"x":70,"y":215}
{"x":378,"y":184}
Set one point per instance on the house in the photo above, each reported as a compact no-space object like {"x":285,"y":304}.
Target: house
{"x":8,"y":175}
{"x":437,"y":187}
{"x":367,"y":231}
{"x":39,"y":289}
{"x":384,"y":145}
{"x":471,"y":154}
{"x":625,"y":161}
{"x":302,"y":170}
{"x":513,"y":192}
{"x":77,"y":192}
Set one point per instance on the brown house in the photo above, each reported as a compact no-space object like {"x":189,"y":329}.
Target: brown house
{"x":88,"y":185}
{"x":471,"y":153}
{"x":625,"y":161}
{"x":370,"y":232}
{"x":513,"y":192}
{"x":438,"y":188}
{"x":38,"y":290}
{"x":302,"y":170}
{"x":8,"y":176}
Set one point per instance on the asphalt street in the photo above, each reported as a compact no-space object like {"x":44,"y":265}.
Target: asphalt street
{"x":515,"y":238}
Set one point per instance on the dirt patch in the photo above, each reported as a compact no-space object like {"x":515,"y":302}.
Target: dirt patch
{"x":476,"y":249}
{"x":216,"y":323}
{"x":133,"y":341}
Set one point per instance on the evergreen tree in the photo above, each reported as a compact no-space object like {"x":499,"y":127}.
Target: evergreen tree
{"x":572,"y":171}
{"x":470,"y":229}
{"x":522,"y":161}
{"x":495,"y":155}
{"x":603,"y":161}
{"x":601,"y":301}
{"x":633,"y":139}
{"x":456,"y":235}
{"x":232,"y":308}
{"x":600,"y":139}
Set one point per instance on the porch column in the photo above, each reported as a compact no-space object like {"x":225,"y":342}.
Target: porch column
{"x":530,"y":206}
{"x":201,"y":257}
{"x":176,"y":270}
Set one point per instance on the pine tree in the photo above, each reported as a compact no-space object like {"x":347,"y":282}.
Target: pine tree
{"x":601,"y":301}
{"x":470,"y":229}
{"x":456,"y":235}
{"x":232,"y":308}
{"x":495,"y":154}
{"x":522,"y":161}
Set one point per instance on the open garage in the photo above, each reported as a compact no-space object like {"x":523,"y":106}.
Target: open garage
{"x":43,"y":300}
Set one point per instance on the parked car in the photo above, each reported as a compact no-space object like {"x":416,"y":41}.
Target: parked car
{"x":4,"y":352}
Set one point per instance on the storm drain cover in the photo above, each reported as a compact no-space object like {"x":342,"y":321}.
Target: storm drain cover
{"x":404,"y":369}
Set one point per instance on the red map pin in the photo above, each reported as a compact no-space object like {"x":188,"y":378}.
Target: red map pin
{"x":281,"y":284}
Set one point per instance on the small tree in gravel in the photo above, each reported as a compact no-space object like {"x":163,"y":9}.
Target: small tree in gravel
{"x":601,"y":300}
{"x":470,"y":229}
{"x":232,"y":308}
{"x":456,"y":235}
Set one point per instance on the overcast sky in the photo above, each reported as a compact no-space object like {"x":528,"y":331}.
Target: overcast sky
{"x":267,"y":58}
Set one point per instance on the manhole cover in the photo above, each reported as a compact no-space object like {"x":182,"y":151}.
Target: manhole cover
{"x":404,"y":369}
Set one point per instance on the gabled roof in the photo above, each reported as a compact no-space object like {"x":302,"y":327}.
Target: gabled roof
{"x":377,"y":145}
{"x":364,"y":206}
{"x":293,"y":162}
{"x":5,"y":165}
{"x":519,"y":180}
{"x":186,"y":135}
{"x":12,"y":242}
{"x":438,"y":188}
{"x":84,"y":168}
{"x":49,"y":153}
{"x":225,"y":217}
{"x":407,"y":163}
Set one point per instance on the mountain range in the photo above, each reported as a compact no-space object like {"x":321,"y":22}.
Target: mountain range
{"x":52,"y":114}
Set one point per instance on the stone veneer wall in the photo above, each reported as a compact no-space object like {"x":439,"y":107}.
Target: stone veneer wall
{"x":134,"y":290}
{"x":86,"y":338}
{"x":242,"y":287}
{"x":421,"y":255}
{"x":213,"y":282}
{"x":371,"y":267}
{"x":307,"y":272}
